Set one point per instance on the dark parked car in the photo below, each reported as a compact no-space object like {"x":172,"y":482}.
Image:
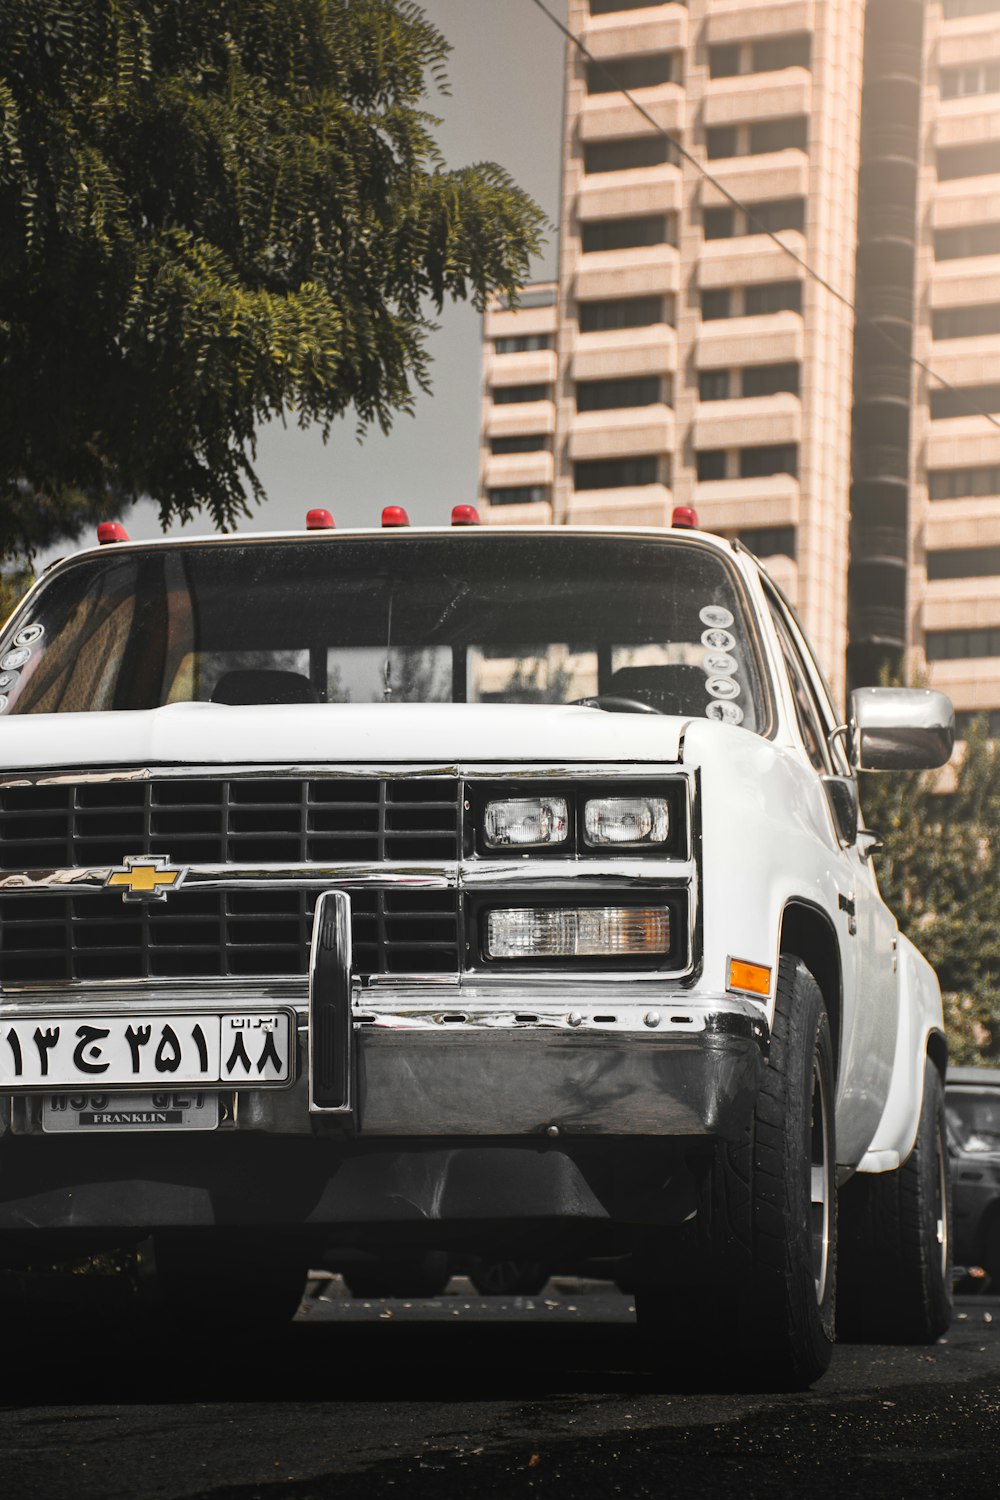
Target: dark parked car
{"x":972,"y":1104}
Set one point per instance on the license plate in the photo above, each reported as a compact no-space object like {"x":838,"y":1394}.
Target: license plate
{"x":112,"y":1114}
{"x":100,"y":1052}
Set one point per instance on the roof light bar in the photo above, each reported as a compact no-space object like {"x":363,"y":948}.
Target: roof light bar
{"x":320,"y":520}
{"x":684,"y":518}
{"x":394,"y":515}
{"x":111,"y":531}
{"x":464,"y":515}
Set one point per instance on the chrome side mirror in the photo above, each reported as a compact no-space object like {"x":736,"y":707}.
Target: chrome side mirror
{"x":900,"y":729}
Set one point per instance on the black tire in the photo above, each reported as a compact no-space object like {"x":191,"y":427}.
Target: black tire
{"x":765,"y":1249}
{"x":508,"y":1278}
{"x":895,"y":1234}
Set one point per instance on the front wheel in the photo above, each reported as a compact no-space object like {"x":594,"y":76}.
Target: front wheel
{"x":765,"y":1251}
{"x":896,"y":1239}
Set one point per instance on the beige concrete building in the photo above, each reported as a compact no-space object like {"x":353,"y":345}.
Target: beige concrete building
{"x":683,"y":357}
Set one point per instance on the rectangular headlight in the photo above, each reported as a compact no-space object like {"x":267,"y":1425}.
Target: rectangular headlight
{"x":526,"y":822}
{"x":578,"y":932}
{"x":626,"y":821}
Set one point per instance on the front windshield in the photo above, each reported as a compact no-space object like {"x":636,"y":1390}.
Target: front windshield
{"x":974,"y":1119}
{"x":477,"y":619}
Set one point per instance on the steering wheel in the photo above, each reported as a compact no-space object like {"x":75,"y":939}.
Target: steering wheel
{"x":613,"y":703}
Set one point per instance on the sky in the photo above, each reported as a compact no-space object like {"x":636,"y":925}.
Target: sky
{"x":505,"y":105}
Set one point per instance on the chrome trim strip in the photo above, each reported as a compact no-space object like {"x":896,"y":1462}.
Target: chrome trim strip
{"x":315,"y":770}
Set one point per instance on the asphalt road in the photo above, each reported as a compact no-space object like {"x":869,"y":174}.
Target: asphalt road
{"x":466,"y":1396}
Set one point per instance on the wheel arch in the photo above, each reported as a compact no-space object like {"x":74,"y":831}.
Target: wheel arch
{"x":937,"y":1051}
{"x":808,"y":934}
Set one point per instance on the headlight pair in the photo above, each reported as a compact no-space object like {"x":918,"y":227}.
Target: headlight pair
{"x":633,"y":822}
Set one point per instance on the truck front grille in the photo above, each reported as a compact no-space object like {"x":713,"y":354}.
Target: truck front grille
{"x":48,"y":936}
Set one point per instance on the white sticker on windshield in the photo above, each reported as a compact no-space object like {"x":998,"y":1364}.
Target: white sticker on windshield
{"x":728,"y":713}
{"x":722,"y":687}
{"x":719,"y":664}
{"x":4,"y":700}
{"x":714,"y":614}
{"x":718,"y":640}
{"x":29,"y":635}
{"x":15,"y":659}
{"x":7,"y":680}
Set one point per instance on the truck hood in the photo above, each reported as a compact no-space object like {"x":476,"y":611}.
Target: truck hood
{"x":442,"y":734}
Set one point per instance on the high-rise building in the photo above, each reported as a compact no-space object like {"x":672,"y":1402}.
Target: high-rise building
{"x":683,"y":357}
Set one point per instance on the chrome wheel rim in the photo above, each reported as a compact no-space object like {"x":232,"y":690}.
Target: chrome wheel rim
{"x":820,"y":1206}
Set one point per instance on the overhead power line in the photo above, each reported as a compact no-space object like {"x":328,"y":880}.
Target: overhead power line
{"x":761,"y":228}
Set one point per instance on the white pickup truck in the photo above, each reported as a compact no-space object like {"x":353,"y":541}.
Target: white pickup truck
{"x":488,"y":892}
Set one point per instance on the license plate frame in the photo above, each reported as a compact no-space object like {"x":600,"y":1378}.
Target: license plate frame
{"x":117,"y":1113}
{"x":125,"y":1048}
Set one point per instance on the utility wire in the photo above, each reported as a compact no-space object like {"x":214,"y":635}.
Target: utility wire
{"x":761,"y":228}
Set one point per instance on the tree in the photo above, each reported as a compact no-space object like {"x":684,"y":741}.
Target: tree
{"x":940,"y":874}
{"x":213,"y":213}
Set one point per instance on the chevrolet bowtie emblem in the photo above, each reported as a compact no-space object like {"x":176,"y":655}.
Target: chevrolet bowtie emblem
{"x":145,"y":877}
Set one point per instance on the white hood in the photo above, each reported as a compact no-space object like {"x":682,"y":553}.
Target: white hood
{"x":446,"y":734}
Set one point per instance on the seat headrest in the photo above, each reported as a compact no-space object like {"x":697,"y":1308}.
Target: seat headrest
{"x":263,"y":685}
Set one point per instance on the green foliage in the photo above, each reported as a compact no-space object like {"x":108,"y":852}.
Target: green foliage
{"x":212,"y":213}
{"x":940,"y":874}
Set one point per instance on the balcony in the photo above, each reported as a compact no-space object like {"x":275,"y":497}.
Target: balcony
{"x":529,"y":418}
{"x":758,"y":96}
{"x":625,"y":351}
{"x":731,"y":343}
{"x":606,"y":117}
{"x":961,"y":604}
{"x":534,"y":367}
{"x":969,"y":121}
{"x":503,"y":471}
{"x":641,"y":190}
{"x":961,"y":442}
{"x":646,"y":271}
{"x":744,"y":20}
{"x":965,"y":283}
{"x":621,"y":432}
{"x":748,"y":423}
{"x":756,"y":179}
{"x":967,"y":362}
{"x":737,"y":504}
{"x":538,"y":513}
{"x":973,"y":685}
{"x":966,"y":200}
{"x":519,"y":322}
{"x":645,"y":505}
{"x":662,"y":28}
{"x":749,"y":258}
{"x":963,"y":523}
{"x":969,"y":39}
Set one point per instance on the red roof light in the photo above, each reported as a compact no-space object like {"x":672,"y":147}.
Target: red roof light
{"x":320,"y":520}
{"x":464,"y":515}
{"x":111,"y":531}
{"x":395,"y":515}
{"x":684,"y":517}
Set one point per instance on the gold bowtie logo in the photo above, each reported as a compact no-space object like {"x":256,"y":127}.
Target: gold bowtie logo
{"x":145,"y":877}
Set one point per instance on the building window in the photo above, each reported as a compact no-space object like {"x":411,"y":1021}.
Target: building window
{"x":716,"y":302}
{"x":529,"y":296}
{"x":625,"y":312}
{"x":954,"y":645}
{"x":618,"y":473}
{"x":771,"y":380}
{"x":713,"y":385}
{"x":629,"y":234}
{"x":966,"y":240}
{"x":981,"y":78}
{"x":775,"y":215}
{"x":769,"y":458}
{"x":531,"y":443}
{"x":718,"y":223}
{"x":966,"y":322}
{"x":772,"y":297}
{"x":724,"y":61}
{"x":522,"y":343}
{"x":964,"y":562}
{"x":980,"y":160}
{"x":605,"y":7}
{"x":963,"y":401}
{"x":957,"y":484}
{"x":519,"y":494}
{"x":953,"y":8}
{"x":779,"y":135}
{"x":633,"y":151}
{"x":721,"y":140}
{"x":710,"y":464}
{"x":770,"y":541}
{"x":514,"y":395}
{"x":607,"y":395}
{"x":643,"y":72}
{"x":776,"y":52}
